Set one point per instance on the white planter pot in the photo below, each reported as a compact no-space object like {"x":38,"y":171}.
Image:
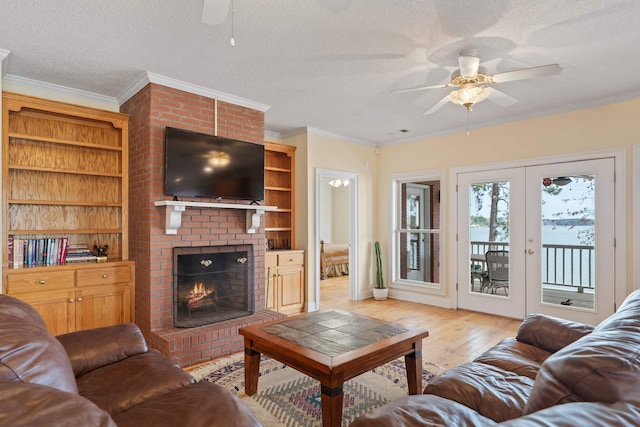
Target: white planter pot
{"x":380,"y":294}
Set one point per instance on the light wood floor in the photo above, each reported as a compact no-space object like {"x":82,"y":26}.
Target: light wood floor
{"x":455,"y":336}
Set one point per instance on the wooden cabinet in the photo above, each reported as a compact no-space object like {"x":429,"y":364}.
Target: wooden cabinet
{"x":76,"y":297}
{"x":279,"y":173}
{"x":65,"y":175}
{"x":285,"y":281}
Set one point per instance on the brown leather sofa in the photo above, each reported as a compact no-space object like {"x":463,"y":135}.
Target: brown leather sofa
{"x":553,"y":373}
{"x":99,"y":377}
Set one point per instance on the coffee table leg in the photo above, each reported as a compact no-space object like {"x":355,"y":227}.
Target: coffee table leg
{"x":251,"y":369}
{"x":413,"y":362}
{"x":332,"y":398}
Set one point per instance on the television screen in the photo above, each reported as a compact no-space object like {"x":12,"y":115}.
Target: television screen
{"x":202,"y":165}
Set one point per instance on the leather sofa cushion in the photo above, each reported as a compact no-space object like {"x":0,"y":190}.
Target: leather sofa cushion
{"x":550,"y":333}
{"x":24,"y":404}
{"x":93,"y":348}
{"x":603,"y":366}
{"x":423,"y":410}
{"x":581,"y":414}
{"x":120,"y":386}
{"x":515,"y":356}
{"x":28,"y":352}
{"x":493,"y":392}
{"x":200,"y":404}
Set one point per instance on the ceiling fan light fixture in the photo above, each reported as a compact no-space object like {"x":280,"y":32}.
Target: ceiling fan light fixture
{"x":468,"y":96}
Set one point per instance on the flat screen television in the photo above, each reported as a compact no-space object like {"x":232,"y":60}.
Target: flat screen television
{"x":202,"y":165}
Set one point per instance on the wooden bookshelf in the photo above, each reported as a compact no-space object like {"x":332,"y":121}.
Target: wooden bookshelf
{"x":65,"y":174}
{"x":279,"y":176}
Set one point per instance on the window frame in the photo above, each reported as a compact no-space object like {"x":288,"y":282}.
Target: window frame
{"x":397,"y":201}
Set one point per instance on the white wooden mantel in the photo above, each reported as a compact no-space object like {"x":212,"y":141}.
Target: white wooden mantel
{"x":174,"y":209}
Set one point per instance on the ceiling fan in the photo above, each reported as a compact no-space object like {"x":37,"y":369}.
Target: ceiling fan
{"x":473,"y":82}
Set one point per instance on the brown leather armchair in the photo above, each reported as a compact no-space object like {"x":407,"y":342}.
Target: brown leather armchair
{"x":99,"y":377}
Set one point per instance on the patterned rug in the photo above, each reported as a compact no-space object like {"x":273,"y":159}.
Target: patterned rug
{"x":286,"y":397}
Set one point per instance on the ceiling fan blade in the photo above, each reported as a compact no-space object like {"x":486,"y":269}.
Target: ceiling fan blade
{"x":335,"y":6}
{"x":415,"y":89}
{"x":468,"y":65}
{"x":526,"y":73}
{"x":500,"y":98}
{"x":214,"y":12}
{"x":437,"y":105}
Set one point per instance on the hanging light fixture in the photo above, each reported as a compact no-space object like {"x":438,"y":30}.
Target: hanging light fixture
{"x":469,"y":95}
{"x":339,"y":182}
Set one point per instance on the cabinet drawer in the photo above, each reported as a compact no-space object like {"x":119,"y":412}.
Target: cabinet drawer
{"x":271,"y":260}
{"x":102,"y":276}
{"x":42,"y":281}
{"x":290,"y":259}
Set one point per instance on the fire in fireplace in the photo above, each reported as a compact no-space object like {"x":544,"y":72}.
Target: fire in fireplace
{"x":212,"y":284}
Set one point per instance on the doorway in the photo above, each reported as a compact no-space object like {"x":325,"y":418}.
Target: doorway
{"x":336,"y":242}
{"x":538,"y":239}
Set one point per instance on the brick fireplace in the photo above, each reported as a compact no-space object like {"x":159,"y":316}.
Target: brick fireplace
{"x":152,"y":109}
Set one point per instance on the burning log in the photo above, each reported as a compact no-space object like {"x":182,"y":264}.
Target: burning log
{"x":199,"y":296}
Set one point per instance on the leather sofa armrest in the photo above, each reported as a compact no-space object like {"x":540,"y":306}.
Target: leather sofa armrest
{"x":27,"y":404}
{"x":93,"y":348}
{"x":550,"y":333}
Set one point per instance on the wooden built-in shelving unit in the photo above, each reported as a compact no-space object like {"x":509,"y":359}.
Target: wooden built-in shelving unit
{"x":65,"y":174}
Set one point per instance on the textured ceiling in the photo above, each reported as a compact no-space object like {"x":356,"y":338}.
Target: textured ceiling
{"x":334,"y":71}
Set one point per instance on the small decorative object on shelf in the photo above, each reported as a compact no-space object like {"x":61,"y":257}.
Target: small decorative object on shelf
{"x":100,"y":252}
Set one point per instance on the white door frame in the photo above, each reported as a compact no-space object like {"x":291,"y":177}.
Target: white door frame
{"x":604,"y":303}
{"x":513,"y":304}
{"x":353,"y":229}
{"x":619,"y":155}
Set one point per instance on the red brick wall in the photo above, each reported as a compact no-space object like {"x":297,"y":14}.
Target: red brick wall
{"x":151,"y":110}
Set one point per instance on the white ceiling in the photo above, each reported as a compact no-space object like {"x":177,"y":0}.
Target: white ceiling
{"x":333,"y":72}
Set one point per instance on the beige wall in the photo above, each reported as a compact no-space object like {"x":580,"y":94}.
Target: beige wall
{"x":317,"y":151}
{"x":612,"y":126}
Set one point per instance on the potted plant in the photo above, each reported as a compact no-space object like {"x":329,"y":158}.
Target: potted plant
{"x":379,"y":292}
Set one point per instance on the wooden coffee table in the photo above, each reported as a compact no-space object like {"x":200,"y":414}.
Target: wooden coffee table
{"x":332,"y":347}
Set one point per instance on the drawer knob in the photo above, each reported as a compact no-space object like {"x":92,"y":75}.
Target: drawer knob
{"x":71,"y":300}
{"x":79,"y":299}
{"x":42,"y":281}
{"x":290,"y":259}
{"x":105,"y":275}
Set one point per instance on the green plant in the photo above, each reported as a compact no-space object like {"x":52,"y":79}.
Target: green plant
{"x":379,"y":276}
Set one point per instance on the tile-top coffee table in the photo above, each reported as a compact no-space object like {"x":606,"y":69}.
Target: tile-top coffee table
{"x":332,"y":346}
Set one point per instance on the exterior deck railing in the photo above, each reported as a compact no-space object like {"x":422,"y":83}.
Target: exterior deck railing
{"x":562,"y":265}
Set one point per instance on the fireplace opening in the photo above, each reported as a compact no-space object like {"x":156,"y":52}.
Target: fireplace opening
{"x":212,"y":284}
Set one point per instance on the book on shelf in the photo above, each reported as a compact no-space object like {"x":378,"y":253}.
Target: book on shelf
{"x":39,"y":252}
{"x":10,"y":251}
{"x":80,"y":258}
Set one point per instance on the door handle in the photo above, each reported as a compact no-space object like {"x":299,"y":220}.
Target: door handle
{"x":530,"y":251}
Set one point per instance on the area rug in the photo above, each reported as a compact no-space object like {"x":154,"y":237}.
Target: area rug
{"x":286,"y":397}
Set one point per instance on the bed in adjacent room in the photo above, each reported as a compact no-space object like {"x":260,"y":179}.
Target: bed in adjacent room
{"x":334,"y":259}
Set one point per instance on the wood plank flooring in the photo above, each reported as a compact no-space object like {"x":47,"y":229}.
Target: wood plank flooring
{"x":455,"y":336}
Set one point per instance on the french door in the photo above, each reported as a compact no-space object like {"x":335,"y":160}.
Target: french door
{"x":538,"y":239}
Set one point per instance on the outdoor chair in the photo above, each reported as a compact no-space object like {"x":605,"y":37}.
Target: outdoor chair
{"x":497,"y":271}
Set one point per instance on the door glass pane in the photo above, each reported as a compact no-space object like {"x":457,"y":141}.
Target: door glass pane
{"x":568,"y":240}
{"x":419,"y":235}
{"x":489,"y":238}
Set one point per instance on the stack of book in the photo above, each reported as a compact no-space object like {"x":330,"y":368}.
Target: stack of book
{"x":32,"y":252}
{"x":79,"y":252}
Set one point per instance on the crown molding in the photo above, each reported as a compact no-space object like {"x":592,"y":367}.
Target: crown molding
{"x":149,"y":77}
{"x":272,"y":136}
{"x":4,"y":61}
{"x":59,"y":92}
{"x":327,"y":134}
